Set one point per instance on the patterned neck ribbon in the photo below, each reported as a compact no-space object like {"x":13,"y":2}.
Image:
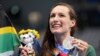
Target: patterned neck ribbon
{"x":63,"y":51}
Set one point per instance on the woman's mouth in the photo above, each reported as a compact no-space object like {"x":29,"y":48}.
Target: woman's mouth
{"x":56,"y":25}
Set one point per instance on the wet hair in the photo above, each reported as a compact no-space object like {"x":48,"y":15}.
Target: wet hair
{"x":49,"y":41}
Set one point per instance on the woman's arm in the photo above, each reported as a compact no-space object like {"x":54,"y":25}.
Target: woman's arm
{"x":91,"y":51}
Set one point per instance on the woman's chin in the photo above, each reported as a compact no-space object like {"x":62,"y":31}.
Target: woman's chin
{"x":57,"y":32}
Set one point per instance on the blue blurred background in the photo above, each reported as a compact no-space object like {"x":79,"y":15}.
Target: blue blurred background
{"x":33,"y":14}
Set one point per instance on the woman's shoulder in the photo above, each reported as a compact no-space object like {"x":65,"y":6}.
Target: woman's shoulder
{"x":91,"y":51}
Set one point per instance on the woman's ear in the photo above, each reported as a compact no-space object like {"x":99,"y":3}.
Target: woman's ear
{"x":73,"y":23}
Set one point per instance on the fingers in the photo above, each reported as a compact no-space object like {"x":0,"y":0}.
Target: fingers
{"x":81,"y":45}
{"x":24,"y":48}
{"x":24,"y":51}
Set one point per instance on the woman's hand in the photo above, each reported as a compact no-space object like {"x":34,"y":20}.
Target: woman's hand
{"x":24,"y":51}
{"x":80,"y":44}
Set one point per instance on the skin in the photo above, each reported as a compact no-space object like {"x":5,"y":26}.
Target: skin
{"x":60,"y":25}
{"x":24,"y":50}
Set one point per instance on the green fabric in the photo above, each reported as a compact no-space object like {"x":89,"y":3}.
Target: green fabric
{"x":90,"y":51}
{"x":8,"y":42}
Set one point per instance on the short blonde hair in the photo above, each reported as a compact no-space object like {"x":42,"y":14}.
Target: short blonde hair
{"x":35,"y":33}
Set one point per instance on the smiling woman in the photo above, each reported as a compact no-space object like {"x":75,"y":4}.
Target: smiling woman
{"x":59,"y":40}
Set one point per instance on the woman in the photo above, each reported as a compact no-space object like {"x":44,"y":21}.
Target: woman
{"x":58,"y":40}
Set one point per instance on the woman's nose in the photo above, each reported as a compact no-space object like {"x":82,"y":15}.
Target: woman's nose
{"x":56,"y":18}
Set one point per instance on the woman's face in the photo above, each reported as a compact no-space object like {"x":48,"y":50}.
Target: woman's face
{"x":60,"y":21}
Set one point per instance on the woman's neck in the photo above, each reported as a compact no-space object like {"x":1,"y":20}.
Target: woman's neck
{"x":60,"y":37}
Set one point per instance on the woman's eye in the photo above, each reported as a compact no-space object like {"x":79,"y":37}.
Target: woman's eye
{"x":52,"y":15}
{"x":61,"y":15}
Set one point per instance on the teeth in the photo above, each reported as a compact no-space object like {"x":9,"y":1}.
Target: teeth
{"x":56,"y":25}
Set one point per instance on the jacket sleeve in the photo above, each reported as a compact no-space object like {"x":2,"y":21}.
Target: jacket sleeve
{"x":91,"y":51}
